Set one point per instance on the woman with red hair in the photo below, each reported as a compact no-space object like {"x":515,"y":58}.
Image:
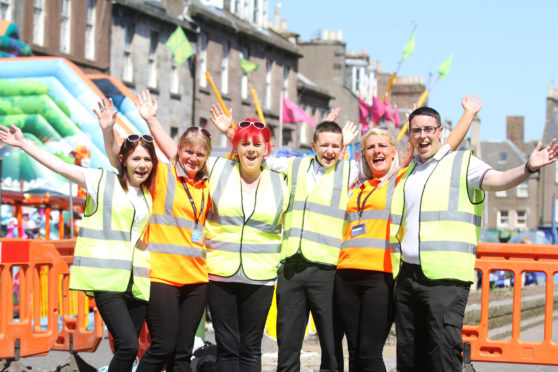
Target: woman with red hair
{"x":243,"y":240}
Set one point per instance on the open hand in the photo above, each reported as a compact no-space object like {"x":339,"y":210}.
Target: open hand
{"x":11,"y":136}
{"x":219,"y":119}
{"x":350,"y":132}
{"x":543,"y":156}
{"x":106,"y":114}
{"x":147,"y":105}
{"x":471,"y":103}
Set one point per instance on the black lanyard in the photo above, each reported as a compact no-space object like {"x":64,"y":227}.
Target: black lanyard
{"x":360,"y":208}
{"x":196,"y":214}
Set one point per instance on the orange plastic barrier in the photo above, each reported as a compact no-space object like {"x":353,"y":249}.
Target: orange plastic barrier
{"x":23,"y":335}
{"x":74,"y":322}
{"x":516,"y":258}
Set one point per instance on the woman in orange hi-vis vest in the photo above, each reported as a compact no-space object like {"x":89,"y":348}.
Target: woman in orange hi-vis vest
{"x":175,"y":239}
{"x":364,"y":282}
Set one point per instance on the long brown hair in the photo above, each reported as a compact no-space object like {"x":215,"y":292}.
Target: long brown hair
{"x":126,"y":150}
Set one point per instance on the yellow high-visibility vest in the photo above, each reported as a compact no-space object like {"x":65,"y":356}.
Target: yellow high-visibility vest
{"x":104,"y":258}
{"x":450,"y":219}
{"x":235,"y":243}
{"x":314,"y":224}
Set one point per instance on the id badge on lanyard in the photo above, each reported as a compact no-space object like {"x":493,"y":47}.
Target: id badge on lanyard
{"x":357,"y":230}
{"x":197,"y":234}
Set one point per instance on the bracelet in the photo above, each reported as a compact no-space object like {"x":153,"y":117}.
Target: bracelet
{"x":529,"y":169}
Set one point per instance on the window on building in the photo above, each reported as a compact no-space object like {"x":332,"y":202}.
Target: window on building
{"x":128,"y":70}
{"x":65,"y":25}
{"x":357,"y":80}
{"x":203,"y":59}
{"x":522,"y":190}
{"x":501,"y":194}
{"x":503,"y":218}
{"x":90,"y":23}
{"x":152,"y":77}
{"x":39,"y":22}
{"x":268,"y":66}
{"x":6,"y":9}
{"x":175,"y":78}
{"x":244,"y":79}
{"x":174,"y":133}
{"x":225,"y":68}
{"x":286,"y":71}
{"x":502,"y":157}
{"x":255,"y":11}
{"x":521,"y":218}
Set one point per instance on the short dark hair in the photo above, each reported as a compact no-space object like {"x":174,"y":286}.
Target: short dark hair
{"x":425,"y":111}
{"x":126,"y":150}
{"x":326,"y":126}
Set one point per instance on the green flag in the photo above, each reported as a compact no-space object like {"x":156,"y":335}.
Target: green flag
{"x":409,"y":47}
{"x":248,"y":66}
{"x":179,"y":46}
{"x":444,"y":68}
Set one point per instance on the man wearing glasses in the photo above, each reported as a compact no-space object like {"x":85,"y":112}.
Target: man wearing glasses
{"x":435,"y":222}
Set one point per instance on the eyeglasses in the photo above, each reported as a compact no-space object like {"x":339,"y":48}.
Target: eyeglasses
{"x":135,"y":137}
{"x":427,"y":130}
{"x":195,"y":129}
{"x":246,"y":124}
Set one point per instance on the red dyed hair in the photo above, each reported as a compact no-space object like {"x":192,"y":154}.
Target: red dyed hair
{"x":253,"y":133}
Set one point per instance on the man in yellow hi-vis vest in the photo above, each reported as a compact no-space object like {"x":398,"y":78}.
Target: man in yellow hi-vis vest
{"x":435,"y":223}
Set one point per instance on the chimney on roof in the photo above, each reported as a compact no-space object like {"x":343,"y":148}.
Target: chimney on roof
{"x":277,"y":16}
{"x":551,"y":91}
{"x":475,"y":136}
{"x":325,"y":34}
{"x":379,"y":66}
{"x":332,"y":35}
{"x":284,"y":25}
{"x":340,"y":35}
{"x":514,"y":131}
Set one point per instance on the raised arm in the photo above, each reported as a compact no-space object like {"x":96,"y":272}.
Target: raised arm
{"x":148,"y":107}
{"x":471,"y":106}
{"x":221,"y":121}
{"x":540,"y":157}
{"x":14,"y":137}
{"x":107,"y":118}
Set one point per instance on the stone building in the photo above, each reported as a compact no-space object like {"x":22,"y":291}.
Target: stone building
{"x":76,"y":30}
{"x":230,"y":30}
{"x":516,"y":209}
{"x":140,"y":58}
{"x":548,"y":186}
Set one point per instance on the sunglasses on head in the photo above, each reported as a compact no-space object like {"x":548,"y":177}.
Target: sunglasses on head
{"x":135,"y":137}
{"x":246,"y":124}
{"x":195,"y":129}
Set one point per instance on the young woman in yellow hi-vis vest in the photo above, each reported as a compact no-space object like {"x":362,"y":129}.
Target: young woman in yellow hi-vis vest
{"x":110,"y":260}
{"x":364,"y":281}
{"x":175,"y":240}
{"x":243,"y":237}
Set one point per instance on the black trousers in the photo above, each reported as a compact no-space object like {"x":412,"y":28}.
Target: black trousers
{"x":365,"y":301}
{"x":303,"y":287}
{"x":239,"y":312}
{"x":173,"y":316}
{"x":428,"y":320}
{"x":124,"y":315}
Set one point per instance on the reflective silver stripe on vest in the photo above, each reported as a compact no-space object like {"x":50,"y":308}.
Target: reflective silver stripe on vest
{"x":239,"y":221}
{"x":313,"y":237}
{"x":106,"y":233}
{"x":448,"y":246}
{"x":246,"y":247}
{"x":369,"y":215}
{"x":396,"y":247}
{"x":170,"y":220}
{"x":324,"y":210}
{"x":395,"y":218}
{"x":171,"y":190}
{"x":219,"y":188}
{"x":293,"y":179}
{"x":365,"y":243}
{"x":142,"y":272}
{"x":176,"y":249}
{"x":276,"y":184}
{"x":451,"y":215}
{"x":102,"y":263}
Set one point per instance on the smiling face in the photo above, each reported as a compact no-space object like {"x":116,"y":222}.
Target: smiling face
{"x":192,"y":158}
{"x":328,"y":147}
{"x":426,"y":145}
{"x":379,"y":154}
{"x":138,"y":166}
{"x":251,"y":151}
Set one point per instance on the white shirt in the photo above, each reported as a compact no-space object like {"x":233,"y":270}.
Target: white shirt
{"x":413,"y":196}
{"x":134,"y":195}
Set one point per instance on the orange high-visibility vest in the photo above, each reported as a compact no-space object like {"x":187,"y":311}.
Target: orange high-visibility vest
{"x":175,"y":258}
{"x":366,"y":240}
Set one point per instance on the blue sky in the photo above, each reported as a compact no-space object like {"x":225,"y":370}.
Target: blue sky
{"x":505,"y":52}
